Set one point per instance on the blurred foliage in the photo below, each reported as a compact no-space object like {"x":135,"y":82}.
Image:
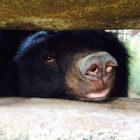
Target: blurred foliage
{"x":133,"y":46}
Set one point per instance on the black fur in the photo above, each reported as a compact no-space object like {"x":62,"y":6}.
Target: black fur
{"x":23,"y":71}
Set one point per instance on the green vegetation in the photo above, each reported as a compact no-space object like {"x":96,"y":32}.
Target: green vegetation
{"x":133,"y":46}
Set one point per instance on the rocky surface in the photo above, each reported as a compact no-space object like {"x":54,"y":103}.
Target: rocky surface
{"x":57,"y":119}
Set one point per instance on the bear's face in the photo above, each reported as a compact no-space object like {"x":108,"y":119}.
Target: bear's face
{"x":88,"y":79}
{"x":65,"y":65}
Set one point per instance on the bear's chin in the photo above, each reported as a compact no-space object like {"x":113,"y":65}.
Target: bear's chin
{"x":100,"y":95}
{"x":97,"y":94}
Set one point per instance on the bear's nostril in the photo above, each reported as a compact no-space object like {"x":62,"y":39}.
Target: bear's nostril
{"x":109,"y":66}
{"x":108,"y":69}
{"x":92,"y":70}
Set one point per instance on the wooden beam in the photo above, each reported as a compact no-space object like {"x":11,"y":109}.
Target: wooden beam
{"x":70,"y":14}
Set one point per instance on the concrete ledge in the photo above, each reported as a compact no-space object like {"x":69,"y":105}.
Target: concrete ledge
{"x":70,"y":14}
{"x":54,"y":119}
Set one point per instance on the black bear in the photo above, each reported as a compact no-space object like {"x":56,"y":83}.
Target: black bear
{"x":83,"y":65}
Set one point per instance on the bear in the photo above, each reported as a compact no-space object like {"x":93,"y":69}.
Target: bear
{"x":87,"y":65}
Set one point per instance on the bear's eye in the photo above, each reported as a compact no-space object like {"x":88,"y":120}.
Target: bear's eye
{"x":49,"y":59}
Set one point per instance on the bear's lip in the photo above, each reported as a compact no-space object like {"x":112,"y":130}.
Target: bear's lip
{"x":97,"y":94}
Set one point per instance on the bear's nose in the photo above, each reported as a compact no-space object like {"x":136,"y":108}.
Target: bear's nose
{"x":97,"y":65}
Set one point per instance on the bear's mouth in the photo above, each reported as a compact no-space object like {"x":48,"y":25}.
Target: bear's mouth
{"x":99,"y":94}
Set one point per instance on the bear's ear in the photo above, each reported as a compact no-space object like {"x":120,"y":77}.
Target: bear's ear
{"x":31,"y":41}
{"x":34,"y":39}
